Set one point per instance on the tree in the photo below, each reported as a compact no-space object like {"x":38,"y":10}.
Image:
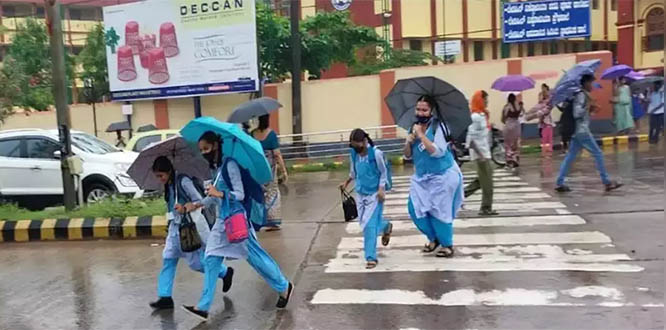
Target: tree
{"x":372,"y":63}
{"x":93,"y":62}
{"x":327,"y":37}
{"x":30,"y":52}
{"x":10,"y":89}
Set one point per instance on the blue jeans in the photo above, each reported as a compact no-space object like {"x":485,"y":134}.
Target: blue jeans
{"x":583,"y":141}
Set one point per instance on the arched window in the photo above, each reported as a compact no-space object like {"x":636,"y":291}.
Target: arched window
{"x":654,"y":30}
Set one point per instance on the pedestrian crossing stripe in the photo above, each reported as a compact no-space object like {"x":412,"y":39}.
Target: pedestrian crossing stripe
{"x":465,"y":179}
{"x":401,"y":188}
{"x":547,"y":220}
{"x":392,"y":207}
{"x":404,"y":193}
{"x":578,"y":296}
{"x":580,"y":237}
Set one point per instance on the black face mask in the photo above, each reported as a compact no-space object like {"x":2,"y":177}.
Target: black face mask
{"x":210,"y":157}
{"x":422,"y":120}
{"x":358,"y":150}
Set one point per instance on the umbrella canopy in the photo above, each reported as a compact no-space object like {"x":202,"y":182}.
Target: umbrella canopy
{"x":254,"y":108}
{"x":569,"y":83}
{"x":616,"y":71}
{"x":146,"y":128}
{"x":119,"y":126}
{"x":185,"y":160}
{"x":633,"y":76}
{"x":646,"y":82}
{"x":452,"y":105}
{"x":236,"y":144}
{"x":513,"y":83}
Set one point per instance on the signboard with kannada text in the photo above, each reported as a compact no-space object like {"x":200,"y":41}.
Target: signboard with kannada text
{"x":544,"y":20}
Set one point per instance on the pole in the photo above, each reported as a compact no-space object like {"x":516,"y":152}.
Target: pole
{"x":54,"y":25}
{"x":294,"y":13}
{"x":197,"y":106}
{"x":94,"y":118}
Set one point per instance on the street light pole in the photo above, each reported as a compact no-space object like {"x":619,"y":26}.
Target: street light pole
{"x":294,"y":13}
{"x":54,"y":26}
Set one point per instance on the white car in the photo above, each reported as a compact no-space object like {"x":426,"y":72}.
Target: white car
{"x":30,"y":167}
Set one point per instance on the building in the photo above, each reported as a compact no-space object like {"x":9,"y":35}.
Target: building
{"x":418,"y":24}
{"x":641,"y":33}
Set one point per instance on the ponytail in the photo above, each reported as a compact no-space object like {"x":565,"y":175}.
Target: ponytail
{"x":357,"y":135}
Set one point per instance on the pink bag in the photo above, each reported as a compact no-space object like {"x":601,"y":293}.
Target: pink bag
{"x":236,"y":228}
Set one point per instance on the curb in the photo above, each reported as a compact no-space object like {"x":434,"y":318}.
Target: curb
{"x":83,"y":229}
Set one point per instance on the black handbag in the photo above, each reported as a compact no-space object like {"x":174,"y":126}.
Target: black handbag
{"x":349,"y":206}
{"x":190,"y":240}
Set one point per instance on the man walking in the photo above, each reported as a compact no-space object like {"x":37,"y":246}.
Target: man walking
{"x":656,"y":111}
{"x":583,"y":106}
{"x":477,"y":142}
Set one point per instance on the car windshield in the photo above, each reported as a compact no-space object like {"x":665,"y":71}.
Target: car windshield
{"x":91,"y":144}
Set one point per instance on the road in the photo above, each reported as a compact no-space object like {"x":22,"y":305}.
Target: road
{"x":584,"y":260}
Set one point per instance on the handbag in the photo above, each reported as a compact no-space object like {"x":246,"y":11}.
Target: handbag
{"x":348,"y":206}
{"x":190,"y":240}
{"x":236,"y":228}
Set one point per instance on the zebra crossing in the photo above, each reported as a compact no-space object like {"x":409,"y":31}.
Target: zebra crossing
{"x":534,"y":233}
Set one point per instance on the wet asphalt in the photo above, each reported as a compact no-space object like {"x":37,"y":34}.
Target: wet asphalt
{"x":108,"y":284}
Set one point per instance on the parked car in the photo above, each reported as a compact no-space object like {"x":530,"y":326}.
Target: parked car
{"x":30,"y":167}
{"x":142,"y":140}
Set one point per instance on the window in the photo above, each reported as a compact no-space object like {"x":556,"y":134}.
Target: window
{"x":613,"y":5}
{"x":574,"y":47}
{"x":415,"y":45}
{"x":17,"y":10}
{"x":595,"y":4}
{"x":41,"y":148}
{"x":530,"y":49}
{"x":506,"y":50}
{"x":10,"y":148}
{"x":145,"y":141}
{"x":8,"y":11}
{"x":545,"y":48}
{"x":654,"y":32}
{"x":478,"y":51}
{"x":75,"y":13}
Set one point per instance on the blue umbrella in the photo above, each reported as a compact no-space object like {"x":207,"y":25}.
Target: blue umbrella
{"x":236,"y":144}
{"x":569,"y":84}
{"x":616,"y":71}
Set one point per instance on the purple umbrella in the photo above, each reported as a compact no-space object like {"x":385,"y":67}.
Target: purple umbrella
{"x":616,"y":71}
{"x":633,"y":76}
{"x":513,"y":83}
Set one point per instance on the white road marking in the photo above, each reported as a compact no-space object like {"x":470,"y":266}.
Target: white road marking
{"x":404,"y":192}
{"x":553,"y":220}
{"x":581,"y":237}
{"x":514,"y":183}
{"x":562,"y":211}
{"x":400,"y":207}
{"x":463,"y":297}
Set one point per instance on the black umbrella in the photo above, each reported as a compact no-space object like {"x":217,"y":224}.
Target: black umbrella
{"x":146,"y":128}
{"x":119,"y":126}
{"x":452,"y":106}
{"x":254,"y":108}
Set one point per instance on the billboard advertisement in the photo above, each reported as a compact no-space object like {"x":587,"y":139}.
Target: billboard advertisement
{"x":178,"y":48}
{"x":543,"y":20}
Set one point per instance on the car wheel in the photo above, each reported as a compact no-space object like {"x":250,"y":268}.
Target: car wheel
{"x":97,"y":192}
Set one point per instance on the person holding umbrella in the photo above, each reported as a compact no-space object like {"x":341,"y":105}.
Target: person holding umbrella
{"x":622,"y":114}
{"x":583,"y":106}
{"x":227,"y":149}
{"x":436,"y":191}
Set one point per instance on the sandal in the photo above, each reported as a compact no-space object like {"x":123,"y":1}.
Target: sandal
{"x":371,"y":264}
{"x":386,"y":237}
{"x":430,"y":247}
{"x":445,"y":252}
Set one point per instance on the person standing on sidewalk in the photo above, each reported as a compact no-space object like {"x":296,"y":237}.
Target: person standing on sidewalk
{"x":656,"y":111}
{"x":583,"y":106}
{"x":478,"y":143}
{"x":368,"y":169}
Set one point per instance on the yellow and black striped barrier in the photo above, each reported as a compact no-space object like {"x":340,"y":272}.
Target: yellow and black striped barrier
{"x":83,"y":229}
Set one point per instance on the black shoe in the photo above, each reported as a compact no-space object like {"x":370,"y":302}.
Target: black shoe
{"x":227,"y":279}
{"x":613,"y":185}
{"x":488,"y":212}
{"x":202,"y":315}
{"x":283,"y":301}
{"x":562,"y":189}
{"x":162,"y":303}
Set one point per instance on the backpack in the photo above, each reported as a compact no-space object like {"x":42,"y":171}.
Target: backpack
{"x":371,"y":159}
{"x":253,"y":203}
{"x":208,"y":212}
{"x":567,"y":121}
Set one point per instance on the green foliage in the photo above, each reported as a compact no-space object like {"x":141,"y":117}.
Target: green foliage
{"x":30,"y":52}
{"x":10,"y":88}
{"x":371,"y":63}
{"x":93,"y":62}
{"x":111,"y":208}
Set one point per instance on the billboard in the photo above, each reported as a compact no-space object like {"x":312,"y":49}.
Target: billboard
{"x":543,"y":20}
{"x":177,"y":48}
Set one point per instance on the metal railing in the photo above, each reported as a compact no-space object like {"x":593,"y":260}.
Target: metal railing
{"x":335,"y":144}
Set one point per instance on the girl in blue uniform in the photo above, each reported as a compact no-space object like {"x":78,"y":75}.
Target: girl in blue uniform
{"x":227,"y":196}
{"x":436,"y":191}
{"x":181,"y":195}
{"x":369,"y":170}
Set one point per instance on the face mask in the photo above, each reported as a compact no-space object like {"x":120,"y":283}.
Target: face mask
{"x":210,"y":157}
{"x":358,"y":149}
{"x":422,"y":120}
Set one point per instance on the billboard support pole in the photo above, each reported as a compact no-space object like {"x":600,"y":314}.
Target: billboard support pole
{"x":54,"y":26}
{"x":197,"y":106}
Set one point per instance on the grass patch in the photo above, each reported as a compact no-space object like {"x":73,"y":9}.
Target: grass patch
{"x":112,"y":208}
{"x":330,"y":165}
